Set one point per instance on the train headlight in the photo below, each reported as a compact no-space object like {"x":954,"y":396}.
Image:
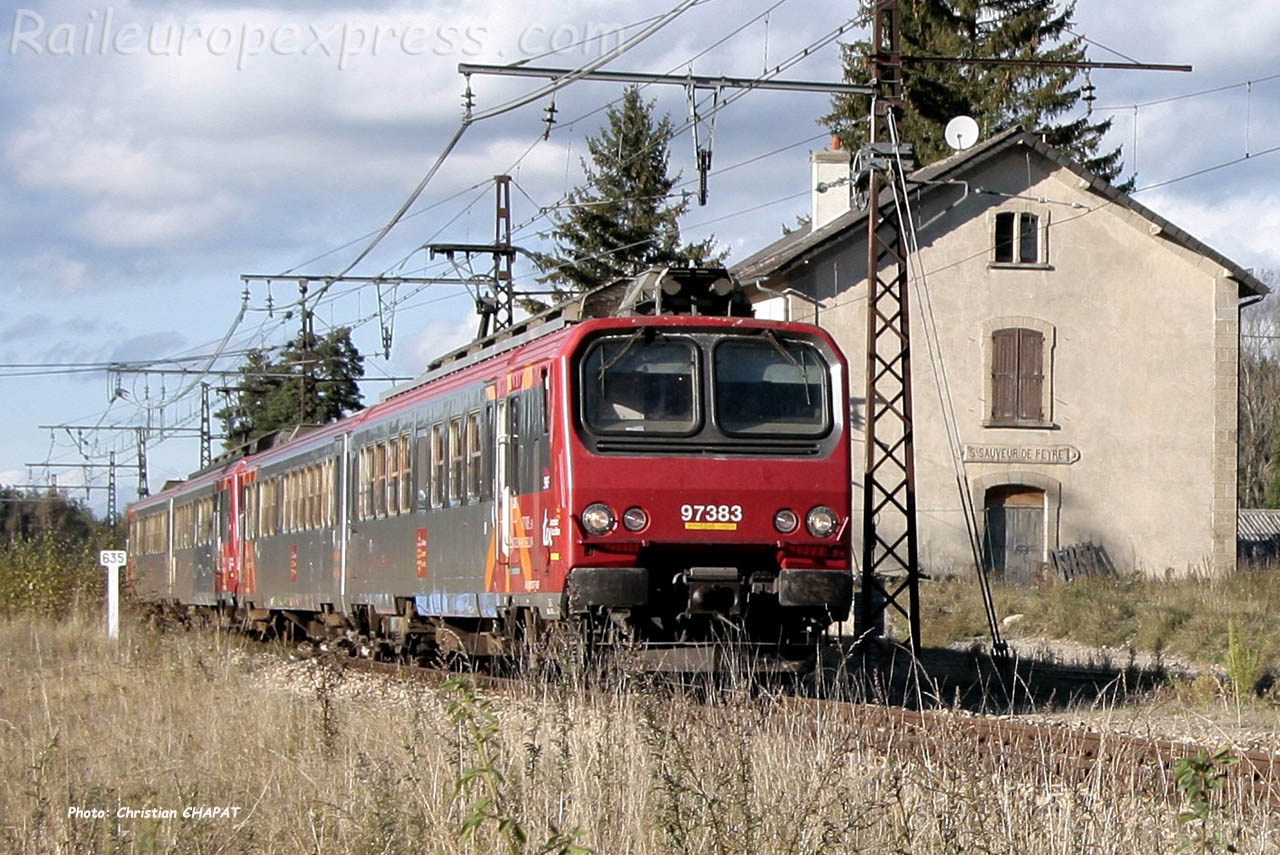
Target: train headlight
{"x":634,"y":519}
{"x":598,"y":518}
{"x":821,"y":521}
{"x":785,"y":521}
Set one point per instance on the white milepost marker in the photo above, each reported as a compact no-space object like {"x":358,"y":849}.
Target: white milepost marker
{"x":113,"y":560}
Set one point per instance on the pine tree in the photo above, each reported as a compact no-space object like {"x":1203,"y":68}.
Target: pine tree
{"x":623,"y":219}
{"x":269,"y":393}
{"x":998,"y":97}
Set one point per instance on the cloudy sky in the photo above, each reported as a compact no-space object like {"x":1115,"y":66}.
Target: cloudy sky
{"x":152,"y":152}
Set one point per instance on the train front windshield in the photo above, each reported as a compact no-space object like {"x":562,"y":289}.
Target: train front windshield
{"x":668,"y":385}
{"x":770,"y":387}
{"x":635,"y":386}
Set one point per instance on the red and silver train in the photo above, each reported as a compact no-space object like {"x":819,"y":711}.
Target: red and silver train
{"x":662,"y":480}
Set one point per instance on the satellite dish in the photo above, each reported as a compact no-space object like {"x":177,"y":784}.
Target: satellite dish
{"x":961,"y":132}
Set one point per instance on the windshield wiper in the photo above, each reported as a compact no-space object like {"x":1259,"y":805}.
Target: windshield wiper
{"x":799,"y":363}
{"x":605,"y":366}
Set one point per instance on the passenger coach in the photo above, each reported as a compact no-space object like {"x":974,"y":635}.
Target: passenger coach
{"x":665,"y":480}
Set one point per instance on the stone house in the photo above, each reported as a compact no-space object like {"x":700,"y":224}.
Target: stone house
{"x":1087,"y":346}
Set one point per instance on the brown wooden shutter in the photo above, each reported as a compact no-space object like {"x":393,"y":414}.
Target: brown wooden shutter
{"x":1004,"y":375}
{"x":1030,"y":374}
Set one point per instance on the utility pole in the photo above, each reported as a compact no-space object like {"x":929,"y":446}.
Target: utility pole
{"x":305,"y":344}
{"x":111,"y":488}
{"x":503,"y":283}
{"x":890,"y":552}
{"x":890,"y":547}
{"x":143,"y":491}
{"x":206,"y":428}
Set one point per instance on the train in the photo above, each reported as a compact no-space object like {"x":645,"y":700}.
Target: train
{"x":647,"y":467}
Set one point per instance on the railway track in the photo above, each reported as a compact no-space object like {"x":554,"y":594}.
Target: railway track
{"x":1066,"y":755}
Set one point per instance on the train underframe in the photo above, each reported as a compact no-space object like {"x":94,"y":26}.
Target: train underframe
{"x":675,"y":614}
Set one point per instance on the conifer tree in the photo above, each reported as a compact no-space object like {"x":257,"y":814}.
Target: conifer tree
{"x":998,"y":97}
{"x":269,"y":393}
{"x":623,"y":219}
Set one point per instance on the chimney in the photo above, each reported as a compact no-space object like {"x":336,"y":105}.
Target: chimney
{"x":829,"y":202}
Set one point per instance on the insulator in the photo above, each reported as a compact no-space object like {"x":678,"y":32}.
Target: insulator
{"x":549,"y":118}
{"x":704,"y":166}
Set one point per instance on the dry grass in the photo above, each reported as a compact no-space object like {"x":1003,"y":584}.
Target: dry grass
{"x":324,"y":760}
{"x":1186,"y":617}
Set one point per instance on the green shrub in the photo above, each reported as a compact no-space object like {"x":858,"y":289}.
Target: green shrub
{"x":44,"y":574}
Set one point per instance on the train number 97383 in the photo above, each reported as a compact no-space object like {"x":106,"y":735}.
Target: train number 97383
{"x":711,"y":513}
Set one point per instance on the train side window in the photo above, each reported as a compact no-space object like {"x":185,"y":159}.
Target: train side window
{"x":317,"y":495}
{"x":422,"y":470}
{"x":393,"y":477}
{"x":514,"y":429}
{"x":306,"y":499}
{"x":380,"y":480}
{"x":313,"y":496}
{"x":272,"y":522}
{"x":406,"y":475}
{"x":486,"y":455}
{"x":224,"y":515}
{"x":474,"y":449}
{"x":439,"y":465}
{"x":322,"y":482}
{"x":246,"y":510}
{"x":330,"y":492}
{"x":531,"y":445}
{"x":264,"y":508}
{"x":457,"y":461}
{"x":366,"y":482}
{"x":286,"y":516}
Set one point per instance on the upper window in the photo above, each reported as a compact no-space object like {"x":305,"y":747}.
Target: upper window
{"x":764,"y":386}
{"x":1017,"y":377}
{"x":1018,"y":238}
{"x":640,"y":384}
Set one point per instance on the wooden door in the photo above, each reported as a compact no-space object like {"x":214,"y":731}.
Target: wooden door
{"x":1014,"y":537}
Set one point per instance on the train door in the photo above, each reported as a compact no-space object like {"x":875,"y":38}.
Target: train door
{"x":526,"y":480}
{"x":504,"y":493}
{"x":247,"y":519}
{"x":171,"y":561}
{"x":225,"y":579}
{"x":337,"y":516}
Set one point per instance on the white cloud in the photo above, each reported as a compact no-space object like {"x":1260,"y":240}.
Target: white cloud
{"x":1242,"y":227}
{"x":65,"y":275}
{"x":121,"y":224}
{"x":433,"y":339}
{"x":66,"y":147}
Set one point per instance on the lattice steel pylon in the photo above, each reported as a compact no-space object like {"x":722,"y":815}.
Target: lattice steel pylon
{"x":503,"y":282}
{"x":890,"y":550}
